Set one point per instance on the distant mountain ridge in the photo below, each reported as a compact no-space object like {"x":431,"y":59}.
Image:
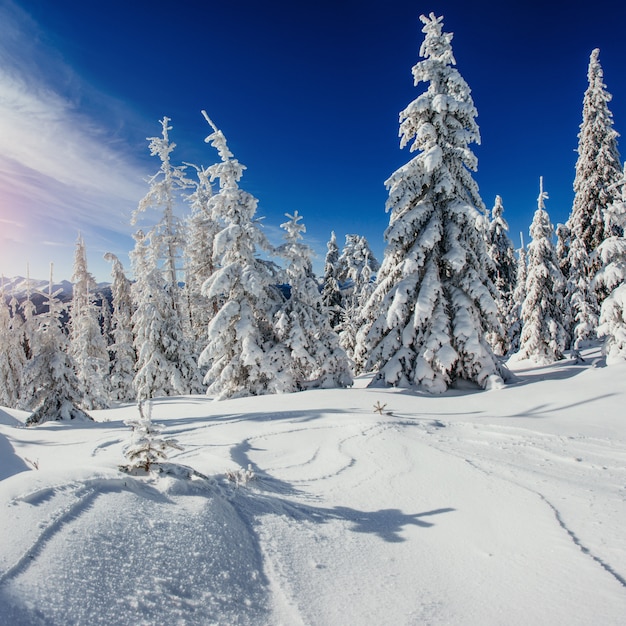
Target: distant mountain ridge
{"x":19,"y":287}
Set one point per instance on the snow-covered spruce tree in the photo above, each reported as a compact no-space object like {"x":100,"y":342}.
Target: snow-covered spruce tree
{"x":581,"y":311}
{"x":503,"y":273}
{"x":356,"y":267}
{"x":355,"y":255}
{"x":12,"y":357}
{"x":52,"y":390}
{"x":202,"y":229}
{"x":433,"y":301}
{"x":514,"y":323}
{"x":543,"y":337}
{"x":87,"y":345}
{"x":162,"y":368}
{"x":124,"y":356}
{"x":147,"y":446}
{"x":165,"y":241}
{"x":598,"y":169}
{"x":331,"y":295}
{"x":314,"y":357}
{"x":240,"y":338}
{"x":612,"y":277}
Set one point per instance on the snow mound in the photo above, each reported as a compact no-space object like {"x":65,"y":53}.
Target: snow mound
{"x":127,"y":551}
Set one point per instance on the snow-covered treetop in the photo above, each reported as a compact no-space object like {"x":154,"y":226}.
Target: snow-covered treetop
{"x":436,"y":44}
{"x":83,"y":280}
{"x":229,"y":171}
{"x":440,"y":124}
{"x":543,"y":195}
{"x":498,"y":210}
{"x":595,"y":74}
{"x":598,"y":164}
{"x":541,"y":227}
{"x":168,"y":179}
{"x":294,"y":229}
{"x":217,"y":139}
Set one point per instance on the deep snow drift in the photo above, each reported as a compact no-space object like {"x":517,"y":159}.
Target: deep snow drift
{"x":502,"y":507}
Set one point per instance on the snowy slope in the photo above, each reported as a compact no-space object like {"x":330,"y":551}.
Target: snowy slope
{"x":502,"y":507}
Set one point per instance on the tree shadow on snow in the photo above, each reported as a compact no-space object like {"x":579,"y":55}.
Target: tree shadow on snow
{"x":10,"y":463}
{"x":299,"y":417}
{"x":540,"y":410}
{"x":387,"y":524}
{"x":268,"y":497}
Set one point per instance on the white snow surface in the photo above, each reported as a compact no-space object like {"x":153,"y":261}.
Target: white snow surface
{"x":471,"y":507}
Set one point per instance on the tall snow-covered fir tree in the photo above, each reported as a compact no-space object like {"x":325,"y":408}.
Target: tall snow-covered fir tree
{"x":311,"y":351}
{"x":87,"y":344}
{"x":52,"y":390}
{"x":124,"y":355}
{"x":503,"y":273}
{"x":331,"y":295}
{"x":165,"y":241}
{"x":202,"y":229}
{"x":598,"y":169}
{"x":167,"y":236}
{"x":612,"y":277}
{"x":544,"y":336}
{"x":434,"y":303}
{"x":240,"y":338}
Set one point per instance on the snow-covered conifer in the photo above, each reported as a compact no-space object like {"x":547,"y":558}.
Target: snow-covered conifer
{"x":52,"y":390}
{"x":356,"y":254}
{"x":433,"y":302}
{"x":240,"y":336}
{"x":581,"y":310}
{"x":165,"y":240}
{"x":315,"y":358}
{"x":612,"y":277}
{"x":167,"y":236}
{"x":202,"y":229}
{"x":357,"y":266}
{"x":147,"y":446}
{"x":124,"y":356}
{"x":331,"y":295}
{"x":12,"y":357}
{"x":514,"y":323}
{"x":598,"y":169}
{"x":88,"y":347}
{"x":163,"y":367}
{"x":543,"y":337}
{"x":503,"y":273}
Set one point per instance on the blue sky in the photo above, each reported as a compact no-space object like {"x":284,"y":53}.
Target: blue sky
{"x":307,"y":94}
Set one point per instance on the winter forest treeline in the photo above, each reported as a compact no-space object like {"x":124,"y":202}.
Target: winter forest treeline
{"x":209,"y":312}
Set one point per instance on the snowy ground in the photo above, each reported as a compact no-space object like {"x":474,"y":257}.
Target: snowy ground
{"x":501,"y":507}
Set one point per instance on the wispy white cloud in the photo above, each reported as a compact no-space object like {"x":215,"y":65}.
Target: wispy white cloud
{"x":60,"y":170}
